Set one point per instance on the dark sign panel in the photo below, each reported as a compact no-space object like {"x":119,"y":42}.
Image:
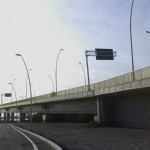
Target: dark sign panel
{"x":7,"y":94}
{"x":104,"y":54}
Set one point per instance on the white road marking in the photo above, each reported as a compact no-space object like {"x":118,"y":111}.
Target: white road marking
{"x":34,"y":146}
{"x":52,"y":144}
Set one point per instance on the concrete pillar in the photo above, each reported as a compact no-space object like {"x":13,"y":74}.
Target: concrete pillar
{"x":99,"y":117}
{"x":12,"y":117}
{"x":8,"y":117}
{"x":28,"y":117}
{"x":44,"y":116}
{"x":0,"y":117}
{"x":4,"y":117}
{"x":22,"y":117}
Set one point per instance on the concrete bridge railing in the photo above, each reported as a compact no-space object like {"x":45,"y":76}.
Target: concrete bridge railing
{"x":119,"y":83}
{"x":121,"y":80}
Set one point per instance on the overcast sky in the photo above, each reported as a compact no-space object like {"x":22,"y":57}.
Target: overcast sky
{"x":38,"y":29}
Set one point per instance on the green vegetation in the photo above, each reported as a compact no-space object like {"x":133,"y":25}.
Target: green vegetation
{"x":80,"y":118}
{"x":53,"y":94}
{"x":54,"y":118}
{"x":37,"y":118}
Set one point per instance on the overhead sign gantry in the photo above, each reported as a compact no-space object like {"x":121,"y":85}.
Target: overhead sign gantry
{"x":101,"y":54}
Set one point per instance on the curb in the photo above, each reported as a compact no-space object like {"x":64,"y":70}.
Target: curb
{"x":55,"y":146}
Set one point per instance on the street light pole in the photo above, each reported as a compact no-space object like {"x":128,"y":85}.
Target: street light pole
{"x":52,"y":82}
{"x":27,"y":85}
{"x":15,"y":96}
{"x":131,"y":40}
{"x":86,"y":54}
{"x":12,"y":88}
{"x":30,"y":89}
{"x":83,"y":74}
{"x":56,"y":69}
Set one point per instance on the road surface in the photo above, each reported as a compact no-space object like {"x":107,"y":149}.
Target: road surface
{"x":14,"y":139}
{"x":76,"y":136}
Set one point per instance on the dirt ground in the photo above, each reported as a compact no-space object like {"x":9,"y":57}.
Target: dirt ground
{"x":75,"y":136}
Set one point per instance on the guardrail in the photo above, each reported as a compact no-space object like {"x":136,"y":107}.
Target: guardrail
{"x":100,"y":86}
{"x":119,"y":80}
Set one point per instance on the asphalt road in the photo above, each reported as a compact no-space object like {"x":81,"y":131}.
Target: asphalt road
{"x":11,"y":139}
{"x":74,"y":136}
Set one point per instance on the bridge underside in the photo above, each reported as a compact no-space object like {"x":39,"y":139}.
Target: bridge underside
{"x":130,"y":108}
{"x":79,"y":106}
{"x":126,"y":109}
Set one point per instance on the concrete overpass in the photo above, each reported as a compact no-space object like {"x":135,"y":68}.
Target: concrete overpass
{"x":120,"y":101}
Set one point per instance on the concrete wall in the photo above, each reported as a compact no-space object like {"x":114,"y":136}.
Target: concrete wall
{"x":132,"y":111}
{"x":73,"y":106}
{"x":35,"y":108}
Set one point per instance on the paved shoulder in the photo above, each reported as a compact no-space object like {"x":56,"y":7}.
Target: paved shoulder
{"x":41,"y":142}
{"x":12,"y":140}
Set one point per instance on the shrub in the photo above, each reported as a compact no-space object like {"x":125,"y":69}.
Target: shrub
{"x":37,"y":118}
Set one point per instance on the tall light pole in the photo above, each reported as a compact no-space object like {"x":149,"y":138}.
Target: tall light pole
{"x":30,"y":89}
{"x":86,"y":54}
{"x":52,"y":82}
{"x":15,"y":96}
{"x":56,"y":69}
{"x":12,"y":88}
{"x":83,"y":74}
{"x":131,"y":39}
{"x":27,"y":85}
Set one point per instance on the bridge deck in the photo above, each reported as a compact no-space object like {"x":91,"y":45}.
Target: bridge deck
{"x":116,"y":84}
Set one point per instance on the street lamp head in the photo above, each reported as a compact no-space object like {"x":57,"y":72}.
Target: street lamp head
{"x":61,"y":49}
{"x":18,"y":55}
{"x":9,"y":83}
{"x":147,"y":32}
{"x":79,"y":62}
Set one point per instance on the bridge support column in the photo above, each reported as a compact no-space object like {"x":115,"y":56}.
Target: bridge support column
{"x":44,"y":117}
{"x":99,"y":117}
{"x":22,"y":117}
{"x":8,"y":117}
{"x":4,"y":117}
{"x":12,"y":117}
